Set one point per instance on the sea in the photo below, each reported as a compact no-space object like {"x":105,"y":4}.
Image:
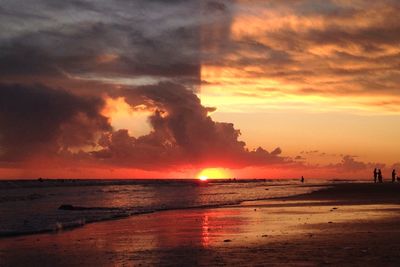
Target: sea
{"x":37,"y":206}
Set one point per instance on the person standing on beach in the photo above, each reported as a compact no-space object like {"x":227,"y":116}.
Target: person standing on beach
{"x":375,"y":175}
{"x":393,"y":175}
{"x":302,"y":179}
{"x":380,"y":178}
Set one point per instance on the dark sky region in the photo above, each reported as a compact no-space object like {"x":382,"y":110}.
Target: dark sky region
{"x":208,"y":83}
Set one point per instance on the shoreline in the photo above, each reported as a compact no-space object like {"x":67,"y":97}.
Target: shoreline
{"x":126,"y":214}
{"x":320,"y":194}
{"x":345,"y":224}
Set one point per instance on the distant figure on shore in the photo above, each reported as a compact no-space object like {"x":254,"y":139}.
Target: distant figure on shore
{"x":375,"y":175}
{"x":302,"y":179}
{"x":393,"y":175}
{"x":380,"y":178}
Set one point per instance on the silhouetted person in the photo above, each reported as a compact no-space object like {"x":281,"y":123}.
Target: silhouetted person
{"x":302,"y":179}
{"x":380,"y":178}
{"x":375,"y":175}
{"x":393,"y":175}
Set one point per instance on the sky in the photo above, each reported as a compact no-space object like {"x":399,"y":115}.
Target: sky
{"x":222,"y":88}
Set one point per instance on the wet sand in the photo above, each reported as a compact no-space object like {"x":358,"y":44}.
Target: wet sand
{"x":345,"y":225}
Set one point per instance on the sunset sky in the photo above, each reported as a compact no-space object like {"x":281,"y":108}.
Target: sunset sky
{"x":174,"y":89}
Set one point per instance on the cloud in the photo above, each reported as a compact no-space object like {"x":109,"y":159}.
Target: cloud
{"x":349,"y":164}
{"x":37,"y":119}
{"x":58,"y":125}
{"x":95,"y":40}
{"x":183,"y":134}
{"x":307,"y":48}
{"x":103,"y":50}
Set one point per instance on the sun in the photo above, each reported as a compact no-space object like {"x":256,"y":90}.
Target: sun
{"x":214,"y":173}
{"x":203,"y":178}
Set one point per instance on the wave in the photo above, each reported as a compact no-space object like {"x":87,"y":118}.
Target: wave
{"x":42,"y":183}
{"x":34,"y":196}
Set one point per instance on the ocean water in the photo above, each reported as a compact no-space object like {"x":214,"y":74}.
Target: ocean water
{"x":28,"y":207}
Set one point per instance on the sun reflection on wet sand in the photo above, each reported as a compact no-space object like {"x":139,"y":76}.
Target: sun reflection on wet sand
{"x":205,"y":232}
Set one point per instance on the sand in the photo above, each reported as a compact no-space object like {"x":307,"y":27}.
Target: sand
{"x":345,"y":225}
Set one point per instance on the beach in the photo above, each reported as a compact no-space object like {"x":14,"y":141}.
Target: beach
{"x":346,"y":224}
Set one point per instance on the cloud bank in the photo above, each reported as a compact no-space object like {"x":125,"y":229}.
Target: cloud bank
{"x":53,"y":122}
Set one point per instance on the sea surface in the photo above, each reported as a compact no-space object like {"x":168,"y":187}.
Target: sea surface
{"x":28,"y":207}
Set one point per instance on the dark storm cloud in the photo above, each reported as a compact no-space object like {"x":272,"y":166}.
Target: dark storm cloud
{"x":102,"y":49}
{"x":161,"y":39}
{"x":100,"y":39}
{"x":38,"y":119}
{"x":183,"y":134}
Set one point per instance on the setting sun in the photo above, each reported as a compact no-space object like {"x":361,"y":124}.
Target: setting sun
{"x":214,"y":173}
{"x":203,"y":178}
